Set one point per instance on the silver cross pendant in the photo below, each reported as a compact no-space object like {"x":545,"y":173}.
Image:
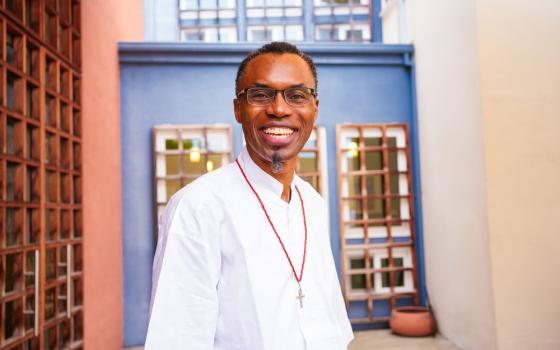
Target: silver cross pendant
{"x":300,"y":296}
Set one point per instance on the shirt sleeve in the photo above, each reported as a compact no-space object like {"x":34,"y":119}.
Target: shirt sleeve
{"x":186,"y":270}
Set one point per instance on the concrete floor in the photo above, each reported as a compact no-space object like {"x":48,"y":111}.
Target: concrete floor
{"x":385,"y":340}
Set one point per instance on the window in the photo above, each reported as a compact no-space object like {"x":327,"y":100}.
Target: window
{"x":376,"y":206}
{"x":183,"y":153}
{"x":374,"y":187}
{"x":208,"y":20}
{"x":342,"y":20}
{"x":274,"y":20}
{"x":376,"y":275}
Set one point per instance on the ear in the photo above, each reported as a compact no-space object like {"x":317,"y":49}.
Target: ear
{"x":236,"y":110}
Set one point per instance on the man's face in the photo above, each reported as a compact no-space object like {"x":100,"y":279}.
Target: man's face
{"x":276,"y":127}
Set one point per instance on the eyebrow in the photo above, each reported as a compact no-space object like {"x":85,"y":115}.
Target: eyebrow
{"x":267,"y":86}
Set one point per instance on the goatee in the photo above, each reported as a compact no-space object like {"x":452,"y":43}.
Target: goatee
{"x":276,"y":163}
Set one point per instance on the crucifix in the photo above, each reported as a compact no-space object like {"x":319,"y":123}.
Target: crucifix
{"x":300,"y":296}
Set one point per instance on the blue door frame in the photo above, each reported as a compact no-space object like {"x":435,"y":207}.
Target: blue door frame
{"x":165,"y":84}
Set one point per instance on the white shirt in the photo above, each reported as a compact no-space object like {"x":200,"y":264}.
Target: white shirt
{"x":221,"y":279}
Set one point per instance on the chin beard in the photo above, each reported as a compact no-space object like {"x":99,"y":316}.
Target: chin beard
{"x":276,"y":163}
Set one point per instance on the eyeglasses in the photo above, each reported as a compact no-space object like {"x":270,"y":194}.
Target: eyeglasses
{"x":263,"y":96}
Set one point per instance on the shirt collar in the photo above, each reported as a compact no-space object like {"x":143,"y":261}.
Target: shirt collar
{"x":259,"y":177}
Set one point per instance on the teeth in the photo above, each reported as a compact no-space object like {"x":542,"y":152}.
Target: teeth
{"x":279,"y":131}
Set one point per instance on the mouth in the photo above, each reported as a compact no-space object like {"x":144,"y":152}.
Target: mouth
{"x":279,"y":131}
{"x":278,"y":136}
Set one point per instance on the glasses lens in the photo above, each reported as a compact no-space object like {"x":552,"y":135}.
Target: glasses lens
{"x":260,"y":96}
{"x":297,"y":96}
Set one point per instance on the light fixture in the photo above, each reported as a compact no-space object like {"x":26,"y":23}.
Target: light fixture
{"x":209,"y":166}
{"x":352,"y":149}
{"x":195,"y":155}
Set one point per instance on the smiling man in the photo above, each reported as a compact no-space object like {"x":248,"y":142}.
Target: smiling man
{"x":243,"y":259}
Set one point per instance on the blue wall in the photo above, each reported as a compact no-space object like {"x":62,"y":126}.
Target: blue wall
{"x":194,"y":83}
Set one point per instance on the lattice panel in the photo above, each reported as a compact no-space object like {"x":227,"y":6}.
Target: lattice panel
{"x":376,"y":219}
{"x":41,"y":279}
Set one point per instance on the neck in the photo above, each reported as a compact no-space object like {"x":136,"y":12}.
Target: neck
{"x":284,"y":176}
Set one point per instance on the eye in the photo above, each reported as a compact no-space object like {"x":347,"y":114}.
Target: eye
{"x":297,"y":95}
{"x":260,"y":94}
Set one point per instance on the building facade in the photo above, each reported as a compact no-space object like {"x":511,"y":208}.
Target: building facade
{"x":436,"y":147}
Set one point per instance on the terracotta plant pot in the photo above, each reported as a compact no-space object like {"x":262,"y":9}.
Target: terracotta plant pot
{"x":412,"y":321}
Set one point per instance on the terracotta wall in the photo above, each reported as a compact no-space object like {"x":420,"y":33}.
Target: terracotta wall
{"x":104,"y":23}
{"x":519,"y":45}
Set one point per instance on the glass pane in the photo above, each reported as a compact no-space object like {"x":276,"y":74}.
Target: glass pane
{"x":358,"y":281}
{"x":210,"y":35}
{"x":376,"y":209}
{"x":50,"y":338}
{"x":13,"y":226}
{"x":13,"y":313}
{"x":50,"y":306}
{"x":208,"y":4}
{"x":77,"y":325}
{"x":214,"y":161}
{"x":51,"y":224}
{"x":355,"y":209}
{"x":308,"y":162}
{"x":77,"y":257}
{"x":10,"y":47}
{"x":78,"y":292}
{"x":396,"y":207}
{"x":354,"y":185}
{"x":30,"y":269}
{"x":228,"y":35}
{"x":352,"y":155}
{"x":10,"y":93}
{"x":375,"y":185}
{"x":193,"y":163}
{"x":172,"y":164}
{"x":11,"y":180}
{"x":10,"y":130}
{"x":374,"y":160}
{"x":30,"y":312}
{"x":51,"y":264}
{"x":394,"y":184}
{"x":64,"y":335}
{"x":172,"y":186}
{"x":32,"y":226}
{"x":66,"y":224}
{"x":62,"y":260}
{"x":373,"y":141}
{"x":77,"y":224}
{"x":398,"y":275}
{"x":13,"y":279}
{"x":294,"y":33}
{"x":62,"y":303}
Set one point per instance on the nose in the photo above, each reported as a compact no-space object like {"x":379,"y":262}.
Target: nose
{"x":279,"y":108}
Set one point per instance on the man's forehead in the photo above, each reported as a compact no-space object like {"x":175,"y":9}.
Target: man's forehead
{"x":286,"y":67}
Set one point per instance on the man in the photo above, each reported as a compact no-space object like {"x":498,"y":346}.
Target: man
{"x":243,"y":259}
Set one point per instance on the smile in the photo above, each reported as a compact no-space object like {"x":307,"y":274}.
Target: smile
{"x":278,"y":132}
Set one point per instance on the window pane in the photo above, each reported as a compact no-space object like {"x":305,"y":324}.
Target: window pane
{"x":294,"y":33}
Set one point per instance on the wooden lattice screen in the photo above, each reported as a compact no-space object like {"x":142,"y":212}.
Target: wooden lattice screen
{"x":376,"y":219}
{"x":41,"y":279}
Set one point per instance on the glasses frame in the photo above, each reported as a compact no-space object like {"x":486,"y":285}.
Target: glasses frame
{"x":312,"y":91}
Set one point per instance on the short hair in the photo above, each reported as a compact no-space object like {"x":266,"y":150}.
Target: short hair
{"x":278,"y":48}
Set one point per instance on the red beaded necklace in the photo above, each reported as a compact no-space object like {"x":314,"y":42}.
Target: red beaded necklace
{"x":298,"y":279}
